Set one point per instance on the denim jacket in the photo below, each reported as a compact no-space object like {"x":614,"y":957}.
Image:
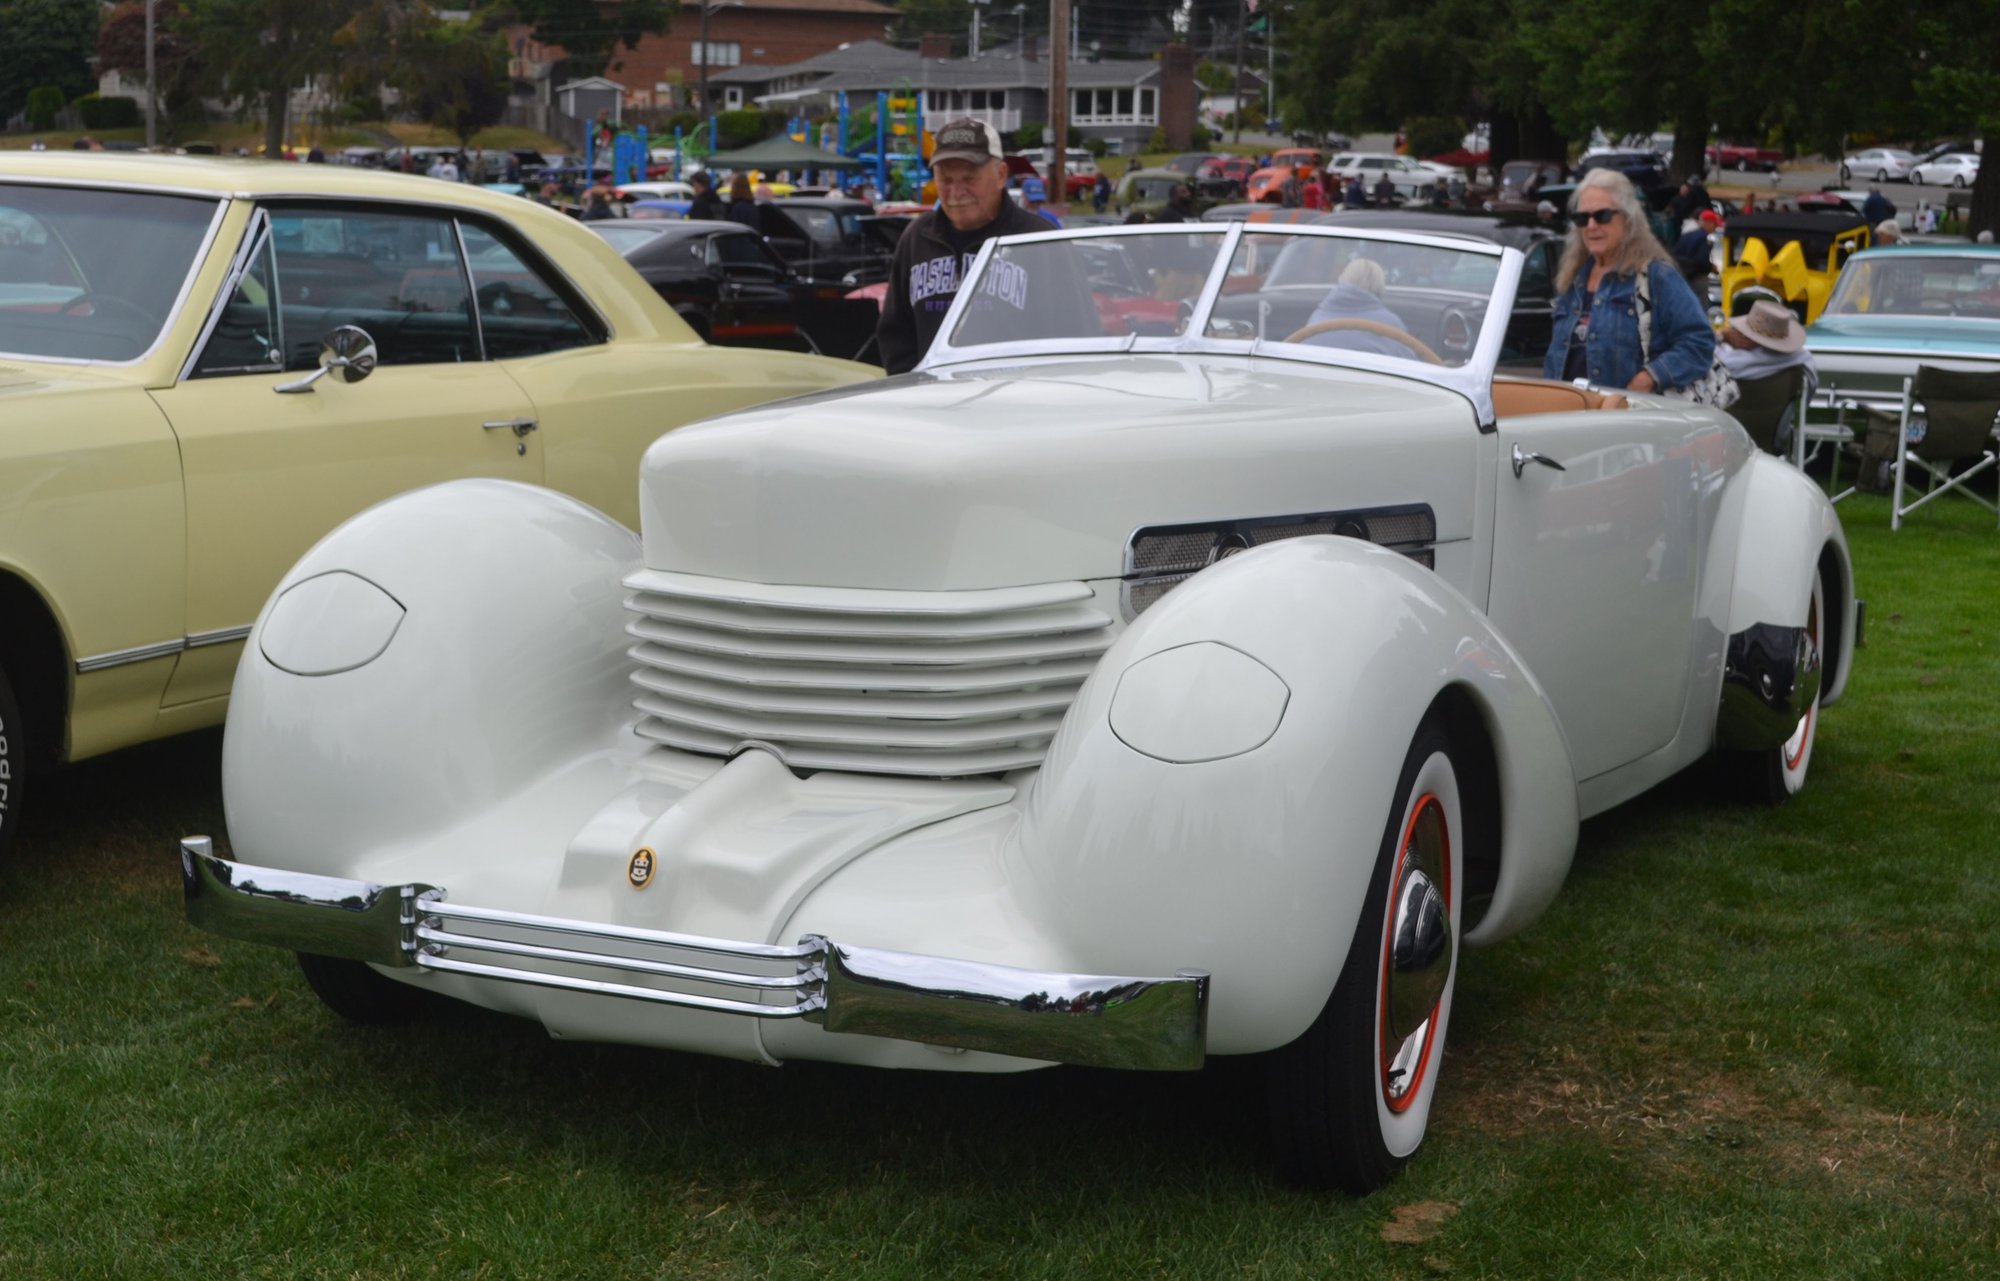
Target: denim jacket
{"x":1683,"y":346}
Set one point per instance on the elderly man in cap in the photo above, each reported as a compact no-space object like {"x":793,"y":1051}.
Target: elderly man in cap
{"x":937,"y":249}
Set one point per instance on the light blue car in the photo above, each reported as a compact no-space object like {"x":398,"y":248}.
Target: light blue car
{"x":1895,"y":307}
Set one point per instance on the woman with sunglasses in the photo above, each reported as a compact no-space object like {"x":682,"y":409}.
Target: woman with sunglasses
{"x":1597,"y":331}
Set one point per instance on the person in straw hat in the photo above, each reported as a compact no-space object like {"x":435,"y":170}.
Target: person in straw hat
{"x":1764,"y":340}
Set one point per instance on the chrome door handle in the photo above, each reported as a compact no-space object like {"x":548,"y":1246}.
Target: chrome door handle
{"x":519,"y":426}
{"x":1522,"y":457}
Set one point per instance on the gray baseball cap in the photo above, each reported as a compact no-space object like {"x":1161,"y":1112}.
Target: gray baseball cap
{"x":966,"y":139}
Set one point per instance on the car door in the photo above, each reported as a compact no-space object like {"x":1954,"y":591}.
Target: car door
{"x":1596,"y":568}
{"x":273,"y":457}
{"x":753,"y":291}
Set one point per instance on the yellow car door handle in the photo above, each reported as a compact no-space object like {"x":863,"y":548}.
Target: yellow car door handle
{"x":519,"y":426}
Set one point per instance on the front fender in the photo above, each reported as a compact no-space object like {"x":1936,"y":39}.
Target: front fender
{"x":1787,"y":533}
{"x":1248,"y":857}
{"x":426,"y":661}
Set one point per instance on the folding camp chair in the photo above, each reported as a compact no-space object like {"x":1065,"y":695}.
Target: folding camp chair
{"x":1768,"y":406}
{"x":1811,"y":437}
{"x":1959,"y":408}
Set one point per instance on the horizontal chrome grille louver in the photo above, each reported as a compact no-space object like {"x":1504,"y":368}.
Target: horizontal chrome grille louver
{"x":926,"y":683}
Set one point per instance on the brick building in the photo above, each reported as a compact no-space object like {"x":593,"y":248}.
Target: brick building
{"x":664,"y":70}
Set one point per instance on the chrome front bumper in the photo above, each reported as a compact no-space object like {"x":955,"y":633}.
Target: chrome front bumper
{"x":1098,"y":1020}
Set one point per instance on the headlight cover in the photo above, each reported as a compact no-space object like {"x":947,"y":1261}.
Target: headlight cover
{"x":333,"y":622}
{"x":1199,"y":702}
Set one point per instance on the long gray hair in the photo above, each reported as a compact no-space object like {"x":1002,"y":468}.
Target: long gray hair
{"x":1639,"y":246}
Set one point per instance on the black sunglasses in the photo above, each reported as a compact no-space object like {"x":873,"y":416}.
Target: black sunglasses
{"x":1602,"y":217}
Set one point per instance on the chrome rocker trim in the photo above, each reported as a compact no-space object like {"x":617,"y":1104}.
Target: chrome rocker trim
{"x":1096,"y":1020}
{"x":1770,"y":678}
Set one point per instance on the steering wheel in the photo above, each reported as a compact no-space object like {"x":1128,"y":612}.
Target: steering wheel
{"x":1409,"y":340}
{"x":106,"y":302}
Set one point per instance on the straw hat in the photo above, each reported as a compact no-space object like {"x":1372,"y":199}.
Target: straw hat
{"x":1772,"y":325}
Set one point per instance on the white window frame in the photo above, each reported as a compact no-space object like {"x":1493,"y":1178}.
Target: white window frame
{"x":721,"y":53}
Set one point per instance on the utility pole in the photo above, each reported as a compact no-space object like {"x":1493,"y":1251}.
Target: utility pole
{"x":702,"y":106}
{"x":152,"y":98}
{"x":1059,"y":19}
{"x":1270,"y":63}
{"x":977,"y":5}
{"x":1242,"y":21}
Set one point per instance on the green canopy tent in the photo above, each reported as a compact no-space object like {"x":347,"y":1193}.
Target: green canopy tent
{"x":782,"y":153}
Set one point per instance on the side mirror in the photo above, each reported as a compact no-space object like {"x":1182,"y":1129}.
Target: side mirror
{"x":347,"y":352}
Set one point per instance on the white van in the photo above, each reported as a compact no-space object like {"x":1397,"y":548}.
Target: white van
{"x":1076,"y":160}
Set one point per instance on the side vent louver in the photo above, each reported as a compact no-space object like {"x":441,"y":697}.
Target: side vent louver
{"x":1161,"y":556}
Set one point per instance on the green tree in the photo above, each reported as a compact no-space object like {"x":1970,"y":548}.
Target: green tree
{"x":260,"y":50}
{"x":455,"y":74}
{"x":591,"y":33}
{"x":933,"y":18}
{"x":43,"y":104}
{"x":121,"y":46}
{"x":1956,"y":83}
{"x":46,"y":42}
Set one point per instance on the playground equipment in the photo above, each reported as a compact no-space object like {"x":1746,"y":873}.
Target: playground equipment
{"x":898,"y":137}
{"x":630,"y":155}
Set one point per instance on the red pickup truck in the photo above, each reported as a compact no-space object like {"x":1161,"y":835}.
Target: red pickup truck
{"x":1730,"y":155}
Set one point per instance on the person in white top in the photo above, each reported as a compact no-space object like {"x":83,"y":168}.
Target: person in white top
{"x":1764,"y":340}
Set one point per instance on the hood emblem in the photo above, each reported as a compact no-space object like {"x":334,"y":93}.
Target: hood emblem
{"x":639,"y":870}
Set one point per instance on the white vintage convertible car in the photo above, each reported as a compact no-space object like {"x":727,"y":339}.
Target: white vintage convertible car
{"x":1134,"y":682}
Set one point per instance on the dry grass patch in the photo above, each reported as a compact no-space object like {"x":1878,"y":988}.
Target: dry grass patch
{"x":1683,"y":1113}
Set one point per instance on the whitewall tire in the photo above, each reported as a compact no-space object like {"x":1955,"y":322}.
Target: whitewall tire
{"x":1350,"y":1100}
{"x":1776,"y":774}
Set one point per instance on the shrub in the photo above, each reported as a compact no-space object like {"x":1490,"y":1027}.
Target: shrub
{"x":43,"y":104}
{"x":1434,"y":135}
{"x":735,"y":129}
{"x":107,"y":113}
{"x":363,"y":105}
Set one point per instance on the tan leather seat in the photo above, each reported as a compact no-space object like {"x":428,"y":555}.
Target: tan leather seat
{"x":1515,"y":397}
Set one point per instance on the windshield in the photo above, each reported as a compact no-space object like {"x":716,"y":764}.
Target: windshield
{"x":1402,"y":300}
{"x":90,"y":274}
{"x":1406,"y":298}
{"x":624,"y":239}
{"x":1904,"y":284}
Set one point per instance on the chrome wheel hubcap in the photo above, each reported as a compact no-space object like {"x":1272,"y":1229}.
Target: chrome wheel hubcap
{"x":1419,"y":951}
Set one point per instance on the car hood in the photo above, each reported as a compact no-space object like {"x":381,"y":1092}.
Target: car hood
{"x":1000,"y":475}
{"x":27,"y":377}
{"x":1911,"y":335}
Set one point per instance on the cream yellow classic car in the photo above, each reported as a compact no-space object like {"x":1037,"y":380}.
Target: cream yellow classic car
{"x":207,"y":364}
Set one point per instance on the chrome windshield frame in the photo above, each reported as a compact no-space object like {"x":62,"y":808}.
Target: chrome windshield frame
{"x":1473,"y":379}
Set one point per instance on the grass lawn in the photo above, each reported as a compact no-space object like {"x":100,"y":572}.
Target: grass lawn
{"x":1744,"y":1043}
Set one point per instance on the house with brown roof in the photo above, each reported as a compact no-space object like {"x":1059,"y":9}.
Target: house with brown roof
{"x":665,"y":70}
{"x":1119,"y":100}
